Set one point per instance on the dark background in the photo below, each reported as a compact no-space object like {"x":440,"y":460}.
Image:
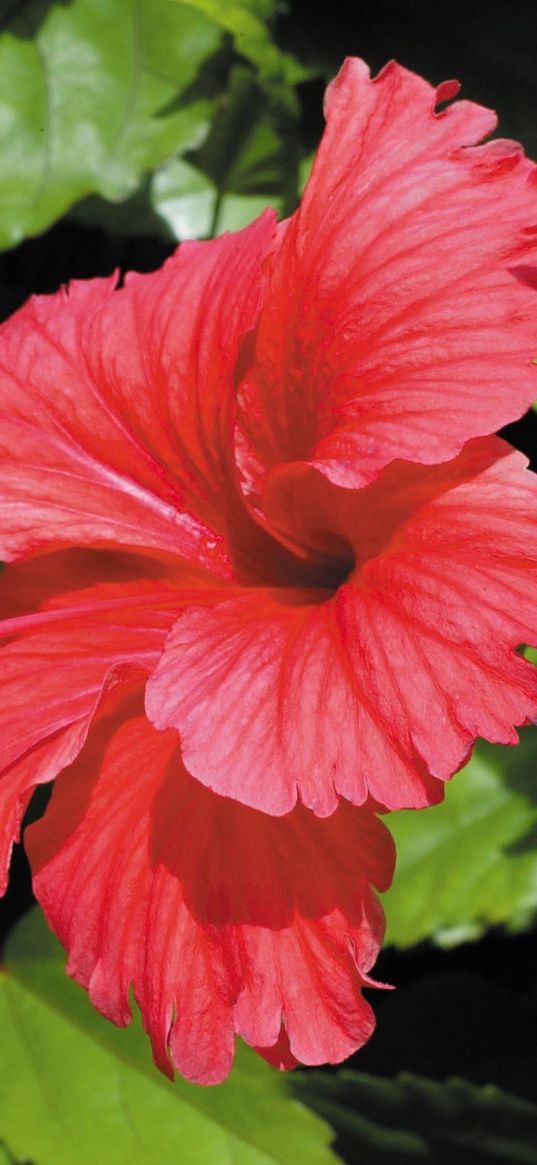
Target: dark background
{"x":471,"y":1011}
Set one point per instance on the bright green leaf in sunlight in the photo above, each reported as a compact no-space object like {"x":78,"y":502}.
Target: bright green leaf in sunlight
{"x":244,"y":165}
{"x":471,"y":862}
{"x":248,"y":160}
{"x":91,"y":96}
{"x":411,"y":1119}
{"x":95,"y":97}
{"x":74,"y":1088}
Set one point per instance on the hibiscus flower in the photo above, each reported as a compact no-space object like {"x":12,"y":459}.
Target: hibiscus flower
{"x":269,"y":572}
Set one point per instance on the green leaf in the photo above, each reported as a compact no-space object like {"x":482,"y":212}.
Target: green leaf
{"x":411,"y":1119}
{"x":92,"y":95}
{"x":246,"y":21}
{"x":76,"y":1088}
{"x":7,"y":1158}
{"x":252,"y":148}
{"x":178,"y":202}
{"x":245,"y":165}
{"x":249,"y":158}
{"x":243,"y":152}
{"x":192,"y":206}
{"x":471,"y":862}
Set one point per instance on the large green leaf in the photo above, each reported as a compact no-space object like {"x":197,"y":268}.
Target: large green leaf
{"x":249,"y":160}
{"x":91,"y":97}
{"x":73,"y":1088}
{"x":411,"y":1119}
{"x":245,"y":165}
{"x":470,"y":862}
{"x":94,"y":96}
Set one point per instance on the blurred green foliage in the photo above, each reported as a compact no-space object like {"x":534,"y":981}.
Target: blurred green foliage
{"x":410,"y":1120}
{"x":470,"y":862}
{"x":93,"y":97}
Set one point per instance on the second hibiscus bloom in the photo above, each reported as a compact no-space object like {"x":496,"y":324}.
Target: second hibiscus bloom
{"x":273,"y":557}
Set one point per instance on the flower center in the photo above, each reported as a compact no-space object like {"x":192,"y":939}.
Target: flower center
{"x":331,"y":567}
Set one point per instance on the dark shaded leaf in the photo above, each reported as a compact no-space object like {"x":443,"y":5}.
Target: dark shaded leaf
{"x":411,"y":1119}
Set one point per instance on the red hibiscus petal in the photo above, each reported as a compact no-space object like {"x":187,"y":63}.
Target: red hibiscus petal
{"x":400,"y":315}
{"x":269,"y":702}
{"x":224,"y":920}
{"x":280,"y":1054}
{"x":79,"y":642}
{"x":390,"y":679}
{"x":19,"y":780}
{"x":115,"y":405}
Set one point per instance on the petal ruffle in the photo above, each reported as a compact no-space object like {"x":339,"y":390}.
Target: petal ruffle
{"x":224,"y":920}
{"x":400,"y":297}
{"x":115,"y":405}
{"x":383,"y":687}
{"x":68,"y":651}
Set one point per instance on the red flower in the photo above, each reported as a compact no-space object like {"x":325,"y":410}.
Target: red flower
{"x":258,"y":485}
